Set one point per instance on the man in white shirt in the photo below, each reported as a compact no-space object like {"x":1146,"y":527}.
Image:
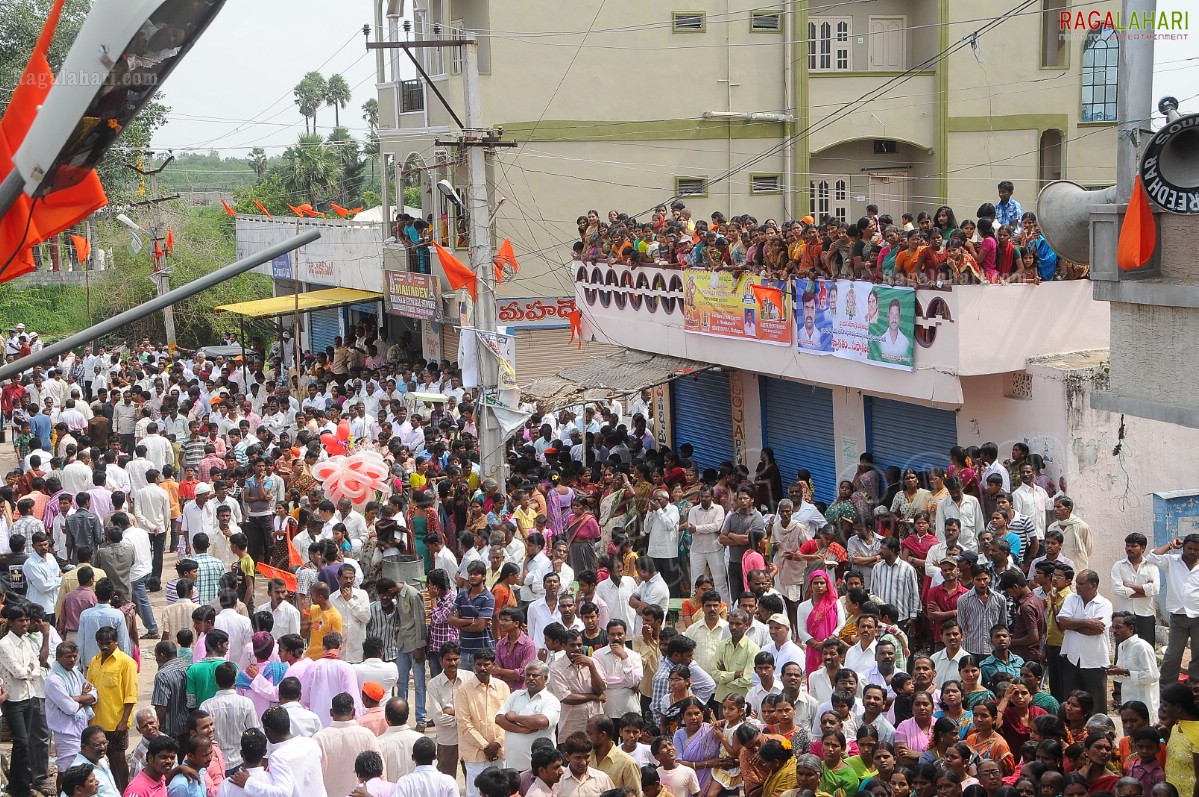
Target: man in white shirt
{"x":239,"y":629}
{"x":990,"y":455}
{"x":396,"y":743}
{"x":529,"y":714}
{"x":158,"y":449}
{"x":77,"y":475}
{"x":537,"y":564}
{"x":354,"y":606}
{"x":1086,"y":617}
{"x":781,"y":646}
{"x":704,"y":520}
{"x":1031,"y":500}
{"x":1136,"y":584}
{"x":137,"y":468}
{"x":615,"y":592}
{"x":286,"y":616}
{"x":622,"y":668}
{"x":1136,"y":663}
{"x":143,"y":565}
{"x":1179,"y":558}
{"x":356,"y":531}
{"x":662,"y":529}
{"x":966,"y":509}
{"x":232,"y":714}
{"x":544,"y":610}
{"x":651,"y":591}
{"x":296,"y":763}
{"x":152,"y":508}
{"x":425,"y":780}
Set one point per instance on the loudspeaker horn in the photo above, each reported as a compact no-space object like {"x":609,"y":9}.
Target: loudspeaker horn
{"x":1064,"y":214}
{"x":1170,"y":166}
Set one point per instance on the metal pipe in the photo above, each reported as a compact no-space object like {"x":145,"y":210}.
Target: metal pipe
{"x":1134,"y":100}
{"x":156,"y":304}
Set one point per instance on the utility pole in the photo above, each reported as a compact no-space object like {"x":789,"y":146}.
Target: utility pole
{"x":161,"y":275}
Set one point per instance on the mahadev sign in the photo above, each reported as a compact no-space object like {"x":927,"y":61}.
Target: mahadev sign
{"x":412,"y":295}
{"x":854,"y":320}
{"x":722,"y":304}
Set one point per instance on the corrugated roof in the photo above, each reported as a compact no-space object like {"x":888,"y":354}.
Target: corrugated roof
{"x":608,"y":377}
{"x":312,"y":300}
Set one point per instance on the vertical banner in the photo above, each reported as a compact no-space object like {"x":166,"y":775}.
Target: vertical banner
{"x":660,"y":409}
{"x":503,"y":348}
{"x":721,"y":304}
{"x":854,"y":320}
{"x":737,"y":414}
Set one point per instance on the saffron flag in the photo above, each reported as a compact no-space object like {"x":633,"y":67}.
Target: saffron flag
{"x":505,"y":257}
{"x":157,"y":250}
{"x":29,"y":222}
{"x":83,"y":250}
{"x":1138,"y":235}
{"x":288,"y":579}
{"x":170,"y":241}
{"x":296,"y":211}
{"x":457,"y":272}
{"x":344,"y":212}
{"x":767,"y":295}
{"x":228,"y":209}
{"x":575,"y":316}
{"x":262,"y":207}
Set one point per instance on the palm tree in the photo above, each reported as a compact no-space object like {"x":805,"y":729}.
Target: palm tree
{"x":258,"y":161}
{"x":370,"y":115}
{"x":310,"y":96}
{"x":311,"y":170}
{"x":338,"y":96}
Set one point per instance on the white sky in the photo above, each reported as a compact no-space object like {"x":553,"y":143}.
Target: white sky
{"x":233,"y":91}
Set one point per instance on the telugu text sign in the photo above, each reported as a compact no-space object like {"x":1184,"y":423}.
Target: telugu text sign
{"x":722,"y":304}
{"x":854,"y":320}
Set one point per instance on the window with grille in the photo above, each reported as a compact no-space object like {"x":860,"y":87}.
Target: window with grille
{"x":690,"y":186}
{"x":828,"y":44}
{"x":412,"y":96}
{"x":765,"y":21}
{"x":765,"y":184}
{"x":1100,"y":54}
{"x":689,"y":21}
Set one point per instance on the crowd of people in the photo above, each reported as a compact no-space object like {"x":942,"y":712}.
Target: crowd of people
{"x":610,"y":618}
{"x":1002,"y":244}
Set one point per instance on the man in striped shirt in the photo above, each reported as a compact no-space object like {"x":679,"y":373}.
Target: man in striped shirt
{"x":979,"y":611}
{"x":1024,"y":527}
{"x":895,"y":581}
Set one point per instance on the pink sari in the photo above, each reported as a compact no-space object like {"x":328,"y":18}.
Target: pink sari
{"x":822,"y":622}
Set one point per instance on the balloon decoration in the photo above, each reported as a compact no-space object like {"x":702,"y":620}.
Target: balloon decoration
{"x":361,"y":478}
{"x":337,"y":444}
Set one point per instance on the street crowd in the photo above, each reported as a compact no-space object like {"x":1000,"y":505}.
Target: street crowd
{"x":1002,"y":244}
{"x":611,"y":618}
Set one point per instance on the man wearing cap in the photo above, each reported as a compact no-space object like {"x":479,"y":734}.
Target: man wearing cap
{"x":781,"y":647}
{"x":199,"y":515}
{"x":373,"y":719}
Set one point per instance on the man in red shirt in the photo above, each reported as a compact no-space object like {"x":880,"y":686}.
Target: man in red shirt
{"x":943,"y":598}
{"x":10,"y":399}
{"x":160,"y":760}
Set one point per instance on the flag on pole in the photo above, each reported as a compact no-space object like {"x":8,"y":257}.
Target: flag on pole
{"x":768,"y":296}
{"x":228,"y":209}
{"x":170,"y":241}
{"x":83,"y":249}
{"x":29,"y":222}
{"x":457,"y":272}
{"x":262,"y":207}
{"x":1138,"y":235}
{"x":505,"y":257}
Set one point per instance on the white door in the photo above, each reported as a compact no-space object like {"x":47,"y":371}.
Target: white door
{"x":888,"y":43}
{"x":890,"y":192}
{"x":828,"y":195}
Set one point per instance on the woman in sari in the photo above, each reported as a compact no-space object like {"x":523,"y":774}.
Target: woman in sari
{"x":986,"y":741}
{"x":780,"y":708}
{"x":559,"y":499}
{"x":617,"y":508}
{"x":423,"y":519}
{"x":843,"y":507}
{"x":779,"y":762}
{"x":698,"y":746}
{"x":953,"y":708}
{"x":937,"y":490}
{"x":768,"y":481}
{"x":912,"y":498}
{"x":582,"y":533}
{"x":836,"y":775}
{"x":588,"y":489}
{"x":1182,"y":750}
{"x":670,"y":705}
{"x":962,"y":467}
{"x":685,"y":535}
{"x":1096,"y":756}
{"x":819,"y":618}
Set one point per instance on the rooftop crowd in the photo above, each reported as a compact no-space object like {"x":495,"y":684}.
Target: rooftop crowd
{"x":611,"y":618}
{"x":1000,"y":245}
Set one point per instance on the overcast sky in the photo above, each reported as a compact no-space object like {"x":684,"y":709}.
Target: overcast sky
{"x":233,"y":91}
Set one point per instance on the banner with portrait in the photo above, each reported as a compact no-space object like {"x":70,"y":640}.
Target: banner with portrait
{"x":855,"y":320}
{"x":725,"y":305}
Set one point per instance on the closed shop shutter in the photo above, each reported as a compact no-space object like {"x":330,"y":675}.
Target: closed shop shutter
{"x":797,"y":422}
{"x":700,"y":415}
{"x":324,"y":326}
{"x":449,"y":342}
{"x":909,"y":435}
{"x":542,"y":353}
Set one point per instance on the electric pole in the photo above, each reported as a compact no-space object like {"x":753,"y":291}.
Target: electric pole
{"x":161,"y":275}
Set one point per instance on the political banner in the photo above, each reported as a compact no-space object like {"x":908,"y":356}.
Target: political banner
{"x":721,"y":304}
{"x":854,"y":320}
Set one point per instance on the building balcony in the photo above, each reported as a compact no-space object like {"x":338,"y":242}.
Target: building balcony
{"x":969,"y":330}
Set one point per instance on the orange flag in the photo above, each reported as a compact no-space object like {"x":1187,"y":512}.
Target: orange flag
{"x":83,"y":249}
{"x":765,"y":293}
{"x":170,"y":241}
{"x":339,"y":210}
{"x":296,"y":211}
{"x":505,"y":257}
{"x":262,"y":207}
{"x":228,"y":209}
{"x":157,"y":250}
{"x":28,"y":223}
{"x":457,"y":272}
{"x":287,"y":578}
{"x":1138,"y":235}
{"x":575,"y":316}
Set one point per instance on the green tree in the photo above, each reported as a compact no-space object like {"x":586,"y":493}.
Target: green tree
{"x":311,"y":170}
{"x":337,"y":96}
{"x":271,"y":191}
{"x":258,"y":161}
{"x":370,"y":115}
{"x":309,"y":96}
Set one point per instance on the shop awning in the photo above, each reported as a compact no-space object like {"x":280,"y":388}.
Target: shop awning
{"x":312,"y":300}
{"x":608,"y":377}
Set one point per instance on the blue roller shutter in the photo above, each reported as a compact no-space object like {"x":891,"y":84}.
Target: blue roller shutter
{"x":700,"y":415}
{"x":909,"y":435}
{"x":323,"y":326}
{"x":797,"y":422}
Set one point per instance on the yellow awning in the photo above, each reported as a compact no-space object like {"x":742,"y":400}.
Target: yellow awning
{"x":312,"y":300}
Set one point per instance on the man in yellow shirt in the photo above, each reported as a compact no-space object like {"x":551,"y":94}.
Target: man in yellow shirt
{"x":477,"y":702}
{"x":322,"y":619}
{"x":114,"y":675}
